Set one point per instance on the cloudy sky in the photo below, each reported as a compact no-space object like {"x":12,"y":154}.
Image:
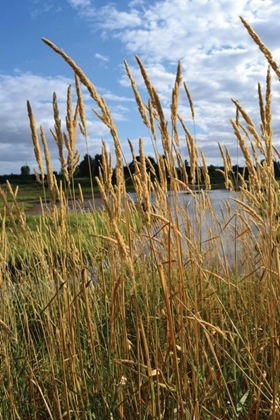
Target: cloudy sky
{"x":220,"y":62}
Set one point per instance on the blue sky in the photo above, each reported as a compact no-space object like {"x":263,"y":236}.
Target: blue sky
{"x":219,"y":60}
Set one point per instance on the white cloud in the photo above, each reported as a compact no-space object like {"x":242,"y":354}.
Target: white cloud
{"x":112,"y":97}
{"x":15,"y":139}
{"x":101,"y":57}
{"x":220,"y":60}
{"x":110,"y":18}
{"x":134,"y":3}
{"x":79,"y":3}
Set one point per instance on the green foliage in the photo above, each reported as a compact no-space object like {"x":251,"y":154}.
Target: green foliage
{"x":25,"y":172}
{"x":90,"y":166}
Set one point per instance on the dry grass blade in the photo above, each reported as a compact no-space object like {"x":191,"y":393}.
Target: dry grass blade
{"x":261,"y":106}
{"x":246,"y":154}
{"x":4,"y":327}
{"x":174,"y":104}
{"x":163,"y":126}
{"x":251,"y":126}
{"x":147,"y":82}
{"x":58,"y":137}
{"x":70,"y":140}
{"x":145,"y":182}
{"x":250,"y":211}
{"x":105,"y":115}
{"x":267,"y":135}
{"x":152,"y":116}
{"x":227,"y":168}
{"x":262,"y":47}
{"x":206,"y":176}
{"x":50,"y":176}
{"x":9,"y":212}
{"x":190,"y":100}
{"x":171,"y":334}
{"x":138,"y":99}
{"x":192,"y":150}
{"x":80,"y":74}
{"x":37,"y":150}
{"x":80,"y":106}
{"x":69,"y":121}
{"x":44,"y":399}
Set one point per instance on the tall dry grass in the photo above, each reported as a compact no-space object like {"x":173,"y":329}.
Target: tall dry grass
{"x":163,"y":310}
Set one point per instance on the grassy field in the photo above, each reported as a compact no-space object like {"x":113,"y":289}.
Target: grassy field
{"x":136,"y":311}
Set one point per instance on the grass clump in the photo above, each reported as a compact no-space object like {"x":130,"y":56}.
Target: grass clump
{"x":140,"y":311}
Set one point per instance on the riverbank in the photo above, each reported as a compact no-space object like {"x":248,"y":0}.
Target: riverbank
{"x":97,"y":205}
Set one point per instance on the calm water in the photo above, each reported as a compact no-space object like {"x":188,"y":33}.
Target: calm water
{"x":224,"y":236}
{"x":220,"y":233}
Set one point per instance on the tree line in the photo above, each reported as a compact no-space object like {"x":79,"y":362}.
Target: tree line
{"x":91,"y":166}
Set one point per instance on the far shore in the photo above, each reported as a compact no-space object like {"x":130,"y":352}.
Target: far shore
{"x":98,"y":204}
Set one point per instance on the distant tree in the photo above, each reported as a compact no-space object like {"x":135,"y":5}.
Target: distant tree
{"x":132,"y":165}
{"x":86,"y":166}
{"x":150,"y":164}
{"x":276,"y":169}
{"x":90,"y":165}
{"x":96,"y":164}
{"x":25,"y":172}
{"x":153,"y":162}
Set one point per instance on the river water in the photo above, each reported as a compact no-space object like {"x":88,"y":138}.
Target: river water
{"x":223,"y":233}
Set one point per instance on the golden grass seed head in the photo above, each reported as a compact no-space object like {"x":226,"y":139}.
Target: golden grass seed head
{"x":37,"y":149}
{"x":247,"y":157}
{"x":137,"y":96}
{"x":147,"y":82}
{"x":81,"y":195}
{"x":50,"y":175}
{"x":69,"y":121}
{"x":80,"y":106}
{"x":77,"y":71}
{"x":192,"y":149}
{"x":267,"y":135}
{"x":262,"y":47}
{"x":227,"y":167}
{"x":59,"y":138}
{"x":174,"y":104}
{"x":243,"y":113}
{"x":261,"y":106}
{"x":206,"y":176}
{"x":163,"y":127}
{"x":190,"y":100}
{"x":151,"y":117}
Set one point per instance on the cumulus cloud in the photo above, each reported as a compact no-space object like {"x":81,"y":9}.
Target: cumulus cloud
{"x":15,"y":138}
{"x":220,"y":60}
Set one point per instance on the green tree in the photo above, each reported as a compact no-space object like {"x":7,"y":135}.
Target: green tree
{"x":90,"y":165}
{"x":25,"y":172}
{"x":96,"y":164}
{"x":86,"y":166}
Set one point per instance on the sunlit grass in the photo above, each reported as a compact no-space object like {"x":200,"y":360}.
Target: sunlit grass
{"x":139,"y":311}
